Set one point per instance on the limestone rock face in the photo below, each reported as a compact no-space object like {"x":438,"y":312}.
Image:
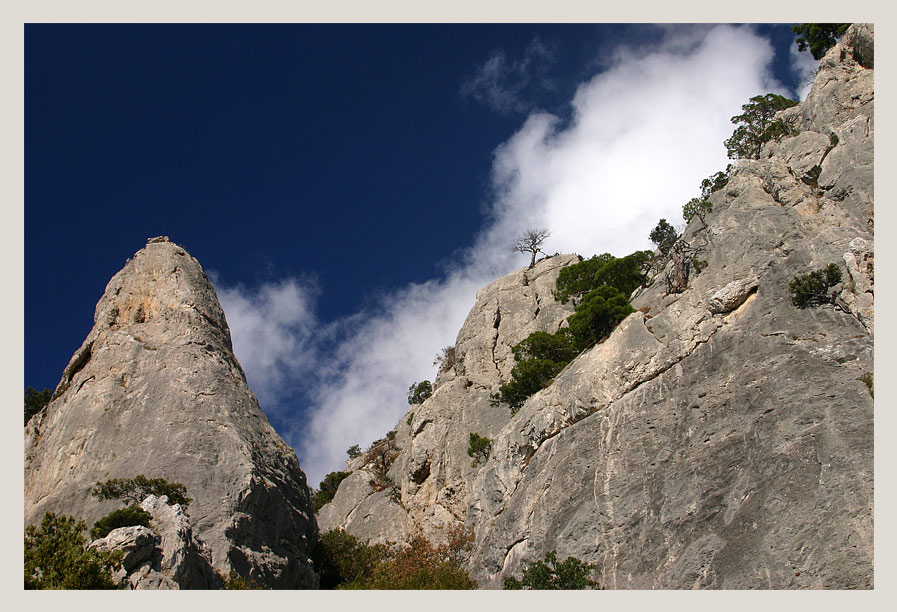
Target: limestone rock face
{"x":156,"y":390}
{"x":720,"y":437}
{"x":168,"y":556}
{"x":432,"y":472}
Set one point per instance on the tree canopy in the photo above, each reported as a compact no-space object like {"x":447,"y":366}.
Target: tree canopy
{"x":818,"y":37}
{"x":135,"y":490}
{"x":756,"y":125}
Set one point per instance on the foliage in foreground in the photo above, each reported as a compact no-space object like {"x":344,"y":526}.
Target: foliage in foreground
{"x":551,"y":575}
{"x":56,"y":557}
{"x":327,"y":489}
{"x":818,"y":37}
{"x":35,"y":401}
{"x":344,"y":562}
{"x":812,"y":289}
{"x":135,"y":490}
{"x":129,"y":516}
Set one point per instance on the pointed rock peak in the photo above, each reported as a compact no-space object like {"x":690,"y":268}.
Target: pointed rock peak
{"x":155,"y":389}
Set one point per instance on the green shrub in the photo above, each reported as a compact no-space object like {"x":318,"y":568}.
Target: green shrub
{"x":576,"y":280}
{"x":340,"y":559}
{"x":129,"y":516}
{"x":812,"y":289}
{"x":35,"y":401}
{"x":136,"y":489}
{"x":557,"y":347}
{"x":596,"y":317}
{"x":549,"y":574}
{"x":419,"y":392}
{"x":354,"y":451}
{"x":625,"y":274}
{"x":327,"y":488}
{"x":663,"y":236}
{"x":527,"y":377}
{"x":479,"y":448}
{"x":56,"y":557}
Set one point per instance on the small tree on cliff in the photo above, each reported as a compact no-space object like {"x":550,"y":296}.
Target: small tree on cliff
{"x":531,"y":242}
{"x":818,"y":37}
{"x":756,"y":126}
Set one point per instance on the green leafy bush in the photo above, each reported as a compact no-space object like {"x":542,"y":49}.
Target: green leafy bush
{"x":819,"y":37}
{"x":56,"y":557}
{"x":129,"y":516}
{"x":340,"y":558}
{"x":419,"y":392}
{"x":527,"y":377}
{"x":576,"y":280}
{"x":354,"y":451}
{"x":624,"y":273}
{"x":596,"y":317}
{"x":754,"y":126}
{"x":550,"y":575}
{"x":35,"y":401}
{"x":663,"y":236}
{"x":479,"y":448}
{"x":135,"y":490}
{"x":327,"y":488}
{"x":558,"y":347}
{"x":812,"y":289}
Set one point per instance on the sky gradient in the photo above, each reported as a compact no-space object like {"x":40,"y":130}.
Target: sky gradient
{"x":349,"y":188}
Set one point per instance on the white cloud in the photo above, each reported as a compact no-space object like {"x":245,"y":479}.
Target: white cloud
{"x":272,"y":328}
{"x":804,"y":66}
{"x":507,"y":85}
{"x":642,"y":135}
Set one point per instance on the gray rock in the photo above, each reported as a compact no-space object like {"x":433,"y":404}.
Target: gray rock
{"x":721,"y":443}
{"x":137,"y":545}
{"x":156,"y":390}
{"x":432,"y":472}
{"x":732,"y":295}
{"x":720,"y":437}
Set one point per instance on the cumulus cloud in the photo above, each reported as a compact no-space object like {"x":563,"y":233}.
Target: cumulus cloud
{"x":640,"y":137}
{"x":273,"y":329}
{"x":511,"y":85}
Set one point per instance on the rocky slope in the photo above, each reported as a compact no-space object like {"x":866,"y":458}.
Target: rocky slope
{"x":156,"y":390}
{"x":720,"y":437}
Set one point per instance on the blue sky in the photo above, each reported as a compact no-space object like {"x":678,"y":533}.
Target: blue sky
{"x":349,"y":188}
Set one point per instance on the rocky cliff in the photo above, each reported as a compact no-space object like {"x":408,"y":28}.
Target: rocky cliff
{"x":719,"y":438}
{"x":156,"y":390}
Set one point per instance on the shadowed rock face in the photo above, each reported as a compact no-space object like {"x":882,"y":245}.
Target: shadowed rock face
{"x":156,"y":390}
{"x":720,"y":437}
